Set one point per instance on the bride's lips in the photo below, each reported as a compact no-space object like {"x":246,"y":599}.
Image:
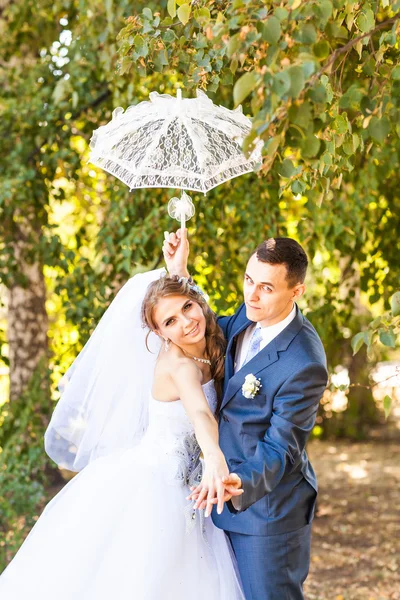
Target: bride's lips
{"x":193,"y":331}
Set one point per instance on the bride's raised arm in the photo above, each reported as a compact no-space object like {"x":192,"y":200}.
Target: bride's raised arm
{"x":187,"y":379}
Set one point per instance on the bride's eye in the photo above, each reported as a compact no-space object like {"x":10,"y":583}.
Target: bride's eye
{"x":188,"y":305}
{"x":169,"y":322}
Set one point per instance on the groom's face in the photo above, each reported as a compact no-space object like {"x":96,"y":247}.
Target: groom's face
{"x":267,"y":294}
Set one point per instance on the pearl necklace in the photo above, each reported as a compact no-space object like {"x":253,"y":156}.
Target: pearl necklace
{"x":202,"y":360}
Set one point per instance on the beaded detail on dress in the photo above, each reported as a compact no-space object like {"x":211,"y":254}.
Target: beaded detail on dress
{"x":190,"y":466}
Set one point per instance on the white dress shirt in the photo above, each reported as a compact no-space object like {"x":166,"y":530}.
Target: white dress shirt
{"x":268,"y":333}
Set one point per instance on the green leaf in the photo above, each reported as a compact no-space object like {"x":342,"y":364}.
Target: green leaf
{"x":281,"y":13}
{"x":171,"y":8}
{"x":244,"y":86}
{"x":395,"y":304}
{"x":301,"y":115}
{"x":388,"y":338}
{"x":309,"y":67}
{"x":271,"y":31}
{"x":323,"y":11}
{"x":348,"y":147}
{"x":160,"y":60}
{"x":307,"y":34}
{"x":272,"y":145}
{"x":375,"y":323}
{"x":357,"y":342}
{"x":396,"y":73}
{"x":168,"y":36}
{"x":202,"y":16}
{"x":387,"y":405}
{"x":352,"y":98}
{"x":379,"y":129}
{"x":310,"y":146}
{"x":326,"y":159}
{"x":183,"y":13}
{"x":141,"y":46}
{"x":328,"y":88}
{"x":318,"y":93}
{"x":287,"y":169}
{"x":321,"y":49}
{"x":233,"y":44}
{"x":281,"y":83}
{"x":365,"y":20}
{"x":340,"y":124}
{"x":298,"y":187}
{"x":147,"y":13}
{"x":297,"y":81}
{"x":125,"y":65}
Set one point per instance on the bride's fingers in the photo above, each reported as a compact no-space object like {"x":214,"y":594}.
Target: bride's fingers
{"x":202,"y":496}
{"x":195,"y":493}
{"x":173,"y":239}
{"x":168,"y":248}
{"x":210,"y":497}
{"x":192,"y":496}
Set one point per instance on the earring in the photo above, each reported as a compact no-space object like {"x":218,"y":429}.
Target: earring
{"x":166,"y":344}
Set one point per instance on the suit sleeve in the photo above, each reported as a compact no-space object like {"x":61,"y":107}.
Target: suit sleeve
{"x":279,"y":451}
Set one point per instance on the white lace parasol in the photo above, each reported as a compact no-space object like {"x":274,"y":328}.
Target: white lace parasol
{"x":172,"y":142}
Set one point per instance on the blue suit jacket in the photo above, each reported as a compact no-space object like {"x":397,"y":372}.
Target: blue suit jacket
{"x":263,"y":438}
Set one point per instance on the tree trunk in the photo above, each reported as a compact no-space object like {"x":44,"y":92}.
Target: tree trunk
{"x":27,"y":326}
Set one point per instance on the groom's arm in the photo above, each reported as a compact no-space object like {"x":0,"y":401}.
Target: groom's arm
{"x":293,"y":418}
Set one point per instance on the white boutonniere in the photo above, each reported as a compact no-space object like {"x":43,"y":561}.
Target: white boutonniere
{"x":251,"y":386}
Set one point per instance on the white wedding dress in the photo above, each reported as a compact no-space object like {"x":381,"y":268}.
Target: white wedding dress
{"x":122,"y":529}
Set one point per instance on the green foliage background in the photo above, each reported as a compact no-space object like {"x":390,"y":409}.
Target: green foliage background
{"x":321,"y":80}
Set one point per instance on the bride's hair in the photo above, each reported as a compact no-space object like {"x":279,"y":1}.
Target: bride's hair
{"x":172,"y":285}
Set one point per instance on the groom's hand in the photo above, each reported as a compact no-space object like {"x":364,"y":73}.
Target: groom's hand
{"x":232,"y":488}
{"x":176,"y":252}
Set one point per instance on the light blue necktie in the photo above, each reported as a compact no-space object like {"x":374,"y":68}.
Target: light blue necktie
{"x":254,"y":345}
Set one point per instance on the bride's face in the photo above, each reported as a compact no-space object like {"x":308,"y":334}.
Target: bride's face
{"x":180,"y":319}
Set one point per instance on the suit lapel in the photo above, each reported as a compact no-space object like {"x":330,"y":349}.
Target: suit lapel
{"x":266,"y":357}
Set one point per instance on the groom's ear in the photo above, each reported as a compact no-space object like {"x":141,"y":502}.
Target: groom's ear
{"x":299,"y":290}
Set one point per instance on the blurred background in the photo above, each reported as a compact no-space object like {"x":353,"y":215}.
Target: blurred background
{"x":321,"y":80}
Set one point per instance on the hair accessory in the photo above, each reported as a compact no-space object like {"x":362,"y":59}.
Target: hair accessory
{"x":192,"y":285}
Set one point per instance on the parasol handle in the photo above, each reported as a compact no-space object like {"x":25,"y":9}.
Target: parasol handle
{"x":181,"y":209}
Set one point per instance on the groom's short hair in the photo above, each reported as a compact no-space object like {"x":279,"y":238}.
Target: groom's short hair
{"x":285,"y":251}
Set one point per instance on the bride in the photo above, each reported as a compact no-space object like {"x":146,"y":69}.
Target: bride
{"x":136,"y":409}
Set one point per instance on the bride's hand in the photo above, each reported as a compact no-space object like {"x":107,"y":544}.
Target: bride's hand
{"x":232,"y":487}
{"x":176,"y":252}
{"x":211,"y":490}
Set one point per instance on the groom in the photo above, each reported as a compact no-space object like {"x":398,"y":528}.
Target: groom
{"x":275,"y":375}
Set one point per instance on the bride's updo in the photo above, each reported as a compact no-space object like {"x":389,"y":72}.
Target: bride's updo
{"x":173,"y":285}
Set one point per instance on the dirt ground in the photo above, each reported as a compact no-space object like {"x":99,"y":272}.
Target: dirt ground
{"x":356,"y":535}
